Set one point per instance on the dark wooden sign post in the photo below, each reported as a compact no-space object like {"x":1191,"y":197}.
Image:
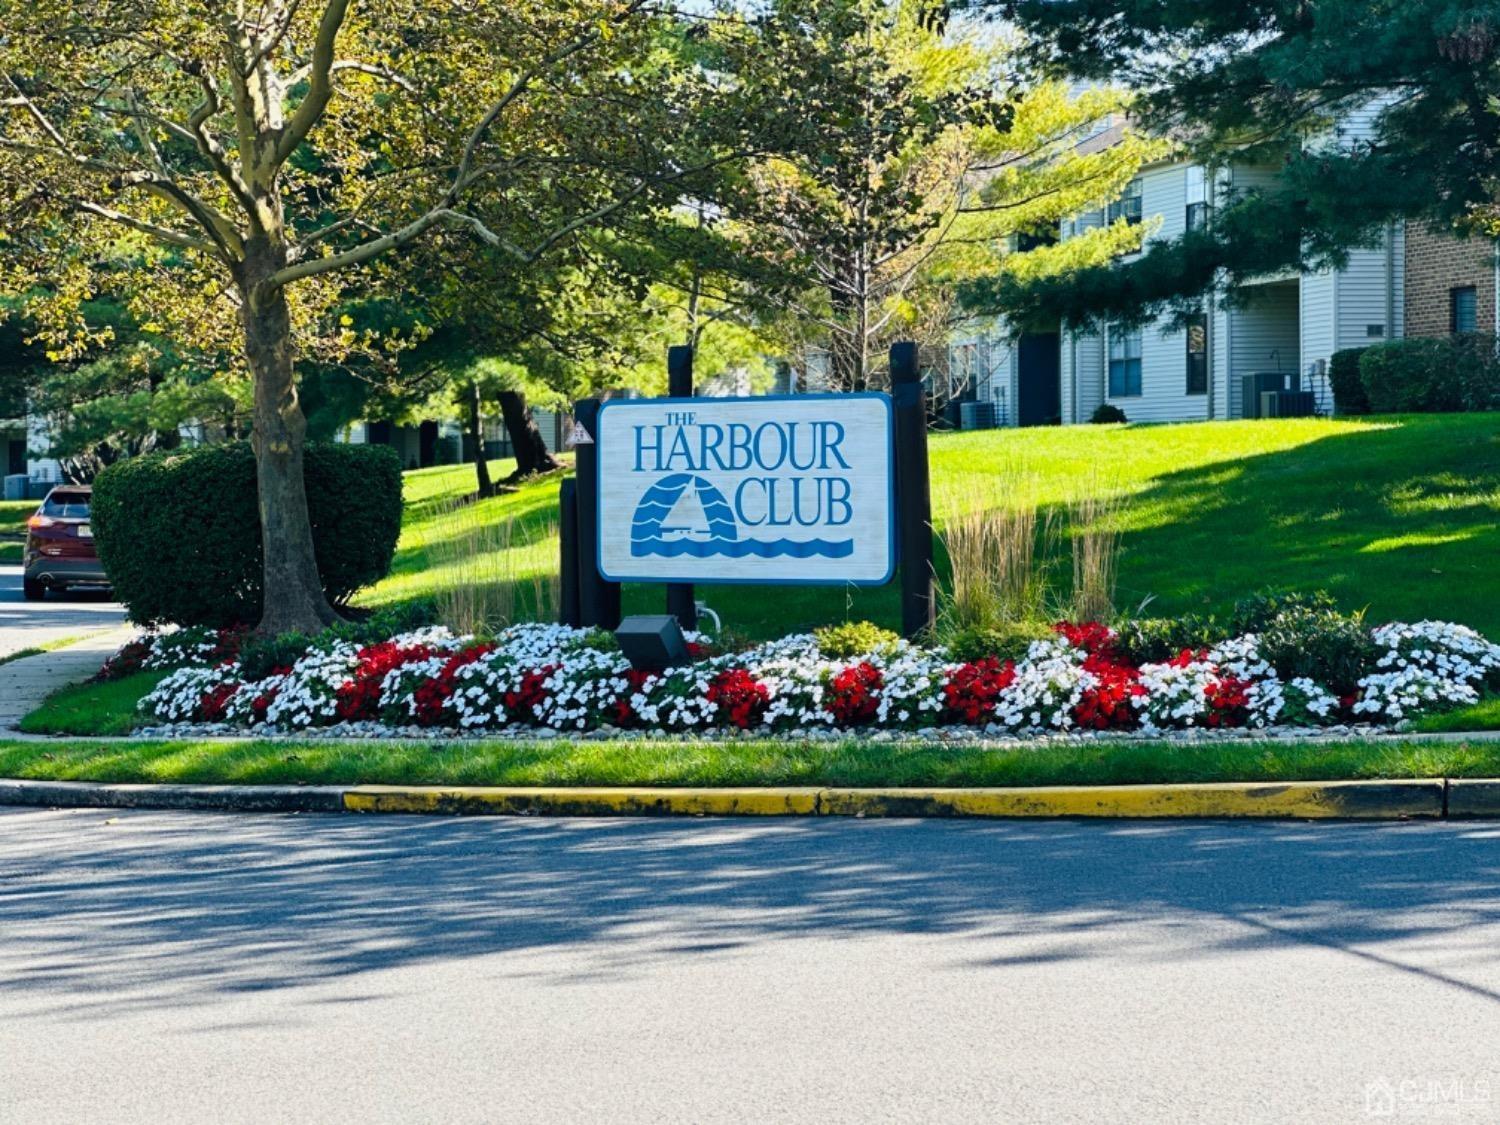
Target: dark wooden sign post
{"x":589,"y":599}
{"x":913,"y":493}
{"x":680,"y":603}
{"x":598,"y":599}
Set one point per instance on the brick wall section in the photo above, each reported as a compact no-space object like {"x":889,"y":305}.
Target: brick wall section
{"x":1437,"y":263}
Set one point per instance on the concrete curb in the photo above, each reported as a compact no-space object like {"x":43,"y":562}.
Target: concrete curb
{"x":232,"y":798}
{"x":1430,"y":799}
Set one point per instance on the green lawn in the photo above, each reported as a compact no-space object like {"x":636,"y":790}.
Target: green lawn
{"x":13,"y":517}
{"x":1399,"y":515}
{"x":848,"y":763}
{"x":87,"y":709}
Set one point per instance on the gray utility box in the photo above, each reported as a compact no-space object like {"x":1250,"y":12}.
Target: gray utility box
{"x":1252,"y":387}
{"x":1287,"y":404}
{"x":15,"y":486}
{"x":977,"y":416}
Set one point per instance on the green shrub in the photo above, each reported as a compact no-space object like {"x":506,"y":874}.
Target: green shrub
{"x":179,"y":532}
{"x":1255,"y":613}
{"x":1007,"y":642}
{"x":1432,"y":375}
{"x":1107,"y":414}
{"x":1154,"y":640}
{"x":853,"y":638}
{"x":260,"y":656}
{"x":1348,"y":388}
{"x":1333,"y":648}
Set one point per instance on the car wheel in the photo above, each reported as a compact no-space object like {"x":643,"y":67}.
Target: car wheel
{"x":33,"y":590}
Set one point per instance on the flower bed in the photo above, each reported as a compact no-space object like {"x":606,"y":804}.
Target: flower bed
{"x":556,"y":680}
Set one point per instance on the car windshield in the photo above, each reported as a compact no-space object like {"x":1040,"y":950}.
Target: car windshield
{"x":66,"y":506}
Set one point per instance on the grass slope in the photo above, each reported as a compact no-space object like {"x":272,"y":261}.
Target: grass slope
{"x":1400,"y":515}
{"x":849,"y":763}
{"x":13,"y":517}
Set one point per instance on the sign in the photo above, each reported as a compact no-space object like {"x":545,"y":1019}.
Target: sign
{"x":780,"y":489}
{"x":579,"y":436}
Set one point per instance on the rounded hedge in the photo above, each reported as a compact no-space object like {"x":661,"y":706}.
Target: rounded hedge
{"x":1445,"y":374}
{"x":1348,"y":388}
{"x":179,"y":532}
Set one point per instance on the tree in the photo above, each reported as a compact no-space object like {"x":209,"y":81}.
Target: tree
{"x":1266,"y":81}
{"x":238,"y":170}
{"x":913,"y":155}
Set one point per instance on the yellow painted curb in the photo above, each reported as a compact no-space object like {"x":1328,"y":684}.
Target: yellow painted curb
{"x":786,"y":801}
{"x":1316,"y":800}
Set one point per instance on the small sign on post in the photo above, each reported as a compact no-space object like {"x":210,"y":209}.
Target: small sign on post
{"x":789,"y":490}
{"x":578,"y":436}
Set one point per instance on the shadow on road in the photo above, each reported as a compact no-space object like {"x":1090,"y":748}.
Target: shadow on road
{"x":181,"y":907}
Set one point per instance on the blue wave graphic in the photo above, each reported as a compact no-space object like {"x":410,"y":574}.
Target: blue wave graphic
{"x":740,"y":548}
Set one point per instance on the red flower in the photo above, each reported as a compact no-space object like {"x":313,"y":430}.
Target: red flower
{"x":1106,"y":705}
{"x":854,"y":694}
{"x":621,"y":711}
{"x":1094,"y":638}
{"x":1228,"y":701}
{"x":215,"y":701}
{"x":359,"y":697}
{"x":432,"y":694}
{"x":971,"y":691}
{"x":738,"y":697}
{"x":523,"y":701}
{"x":1188,"y":656}
{"x":130,"y":659}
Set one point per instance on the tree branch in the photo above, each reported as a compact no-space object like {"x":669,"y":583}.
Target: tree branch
{"x":320,"y":88}
{"x":382,"y":72}
{"x":211,"y":150}
{"x":163,"y":234}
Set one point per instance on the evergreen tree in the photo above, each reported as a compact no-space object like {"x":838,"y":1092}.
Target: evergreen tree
{"x":1261,"y":81}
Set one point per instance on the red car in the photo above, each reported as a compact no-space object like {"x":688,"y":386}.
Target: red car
{"x":60,"y":544}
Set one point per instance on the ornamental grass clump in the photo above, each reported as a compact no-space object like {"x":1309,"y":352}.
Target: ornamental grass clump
{"x":493,"y":572}
{"x":1000,"y":547}
{"x":1095,"y":540}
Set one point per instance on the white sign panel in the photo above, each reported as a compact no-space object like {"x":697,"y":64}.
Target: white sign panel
{"x":781,"y":489}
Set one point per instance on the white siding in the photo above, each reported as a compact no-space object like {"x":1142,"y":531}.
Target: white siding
{"x":1366,"y":299}
{"x":1264,"y":336}
{"x":1090,"y":371}
{"x":1163,"y":396}
{"x":1069,"y":381}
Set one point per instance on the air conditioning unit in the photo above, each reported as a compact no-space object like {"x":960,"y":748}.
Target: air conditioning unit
{"x":1287,"y":404}
{"x":978,"y":416}
{"x":1254,"y":386}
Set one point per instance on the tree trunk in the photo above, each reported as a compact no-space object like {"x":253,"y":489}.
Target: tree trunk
{"x":292,"y":594}
{"x":532,"y":455}
{"x":476,"y":432}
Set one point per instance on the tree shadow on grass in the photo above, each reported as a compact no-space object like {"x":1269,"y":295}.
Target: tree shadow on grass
{"x":168,"y":910}
{"x":1403,"y":519}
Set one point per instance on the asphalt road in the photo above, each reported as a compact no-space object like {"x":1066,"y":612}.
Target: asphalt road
{"x":26,"y":624}
{"x":161,"y":967}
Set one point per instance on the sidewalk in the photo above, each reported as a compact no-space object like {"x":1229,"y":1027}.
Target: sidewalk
{"x":26,"y":682}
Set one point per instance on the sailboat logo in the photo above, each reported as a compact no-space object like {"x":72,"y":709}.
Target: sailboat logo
{"x":684,"y":514}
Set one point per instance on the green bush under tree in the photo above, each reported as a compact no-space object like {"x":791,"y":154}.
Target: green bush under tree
{"x":1432,"y":375}
{"x":179,"y":533}
{"x":1348,"y":388}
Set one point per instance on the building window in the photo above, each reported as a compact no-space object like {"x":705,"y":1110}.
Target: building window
{"x":1197,"y":216}
{"x":1463,"y":309}
{"x":1128,"y":206}
{"x":1197,"y":354}
{"x":1124,"y":363}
